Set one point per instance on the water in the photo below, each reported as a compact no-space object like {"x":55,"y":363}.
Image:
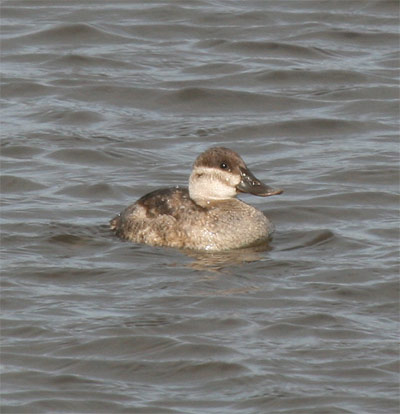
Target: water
{"x":103,"y":102}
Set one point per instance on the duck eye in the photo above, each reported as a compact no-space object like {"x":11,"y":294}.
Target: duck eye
{"x":224,"y":166}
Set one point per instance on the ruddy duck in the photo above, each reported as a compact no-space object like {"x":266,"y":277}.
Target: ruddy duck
{"x":207,"y":216}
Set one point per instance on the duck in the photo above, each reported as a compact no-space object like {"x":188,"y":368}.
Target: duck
{"x":206,"y":216}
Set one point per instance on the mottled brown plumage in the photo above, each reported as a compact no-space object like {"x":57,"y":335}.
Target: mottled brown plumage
{"x":204,"y":217}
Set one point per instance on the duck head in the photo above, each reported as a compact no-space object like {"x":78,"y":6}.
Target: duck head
{"x":220,"y":173}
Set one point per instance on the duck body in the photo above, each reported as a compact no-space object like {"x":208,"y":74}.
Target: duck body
{"x":169,"y":217}
{"x":205,"y":216}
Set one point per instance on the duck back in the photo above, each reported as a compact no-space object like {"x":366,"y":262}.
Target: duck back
{"x":169,"y":217}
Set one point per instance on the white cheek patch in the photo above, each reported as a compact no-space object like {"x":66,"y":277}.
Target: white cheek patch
{"x":212,"y":184}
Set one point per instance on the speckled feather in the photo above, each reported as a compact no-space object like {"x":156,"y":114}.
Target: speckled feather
{"x":170,"y":217}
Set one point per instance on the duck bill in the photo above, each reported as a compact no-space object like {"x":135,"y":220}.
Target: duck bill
{"x":251,"y":184}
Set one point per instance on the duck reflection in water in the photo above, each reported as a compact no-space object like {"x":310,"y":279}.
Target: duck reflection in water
{"x":221,"y":262}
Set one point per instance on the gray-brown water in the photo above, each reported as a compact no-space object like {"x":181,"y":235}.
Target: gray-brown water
{"x":105,"y":101}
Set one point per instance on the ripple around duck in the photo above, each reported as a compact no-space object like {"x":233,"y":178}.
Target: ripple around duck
{"x":141,"y":371}
{"x":92,"y":192}
{"x":356,"y":199}
{"x":353,"y":37}
{"x":185,"y":100}
{"x":312,"y":238}
{"x":388,"y":290}
{"x":75,"y":33}
{"x":146,"y":347}
{"x":314,"y":77}
{"x":207,"y":100}
{"x":77,"y":401}
{"x":208,"y":69}
{"x":371,"y":176}
{"x":68,"y":117}
{"x":83,"y":156}
{"x":279,"y":331}
{"x":270,"y":49}
{"x":13,"y":184}
{"x":75,"y":60}
{"x":20,"y":151}
{"x":24,"y":88}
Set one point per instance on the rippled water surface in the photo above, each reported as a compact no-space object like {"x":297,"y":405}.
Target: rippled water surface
{"x":105,"y":101}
